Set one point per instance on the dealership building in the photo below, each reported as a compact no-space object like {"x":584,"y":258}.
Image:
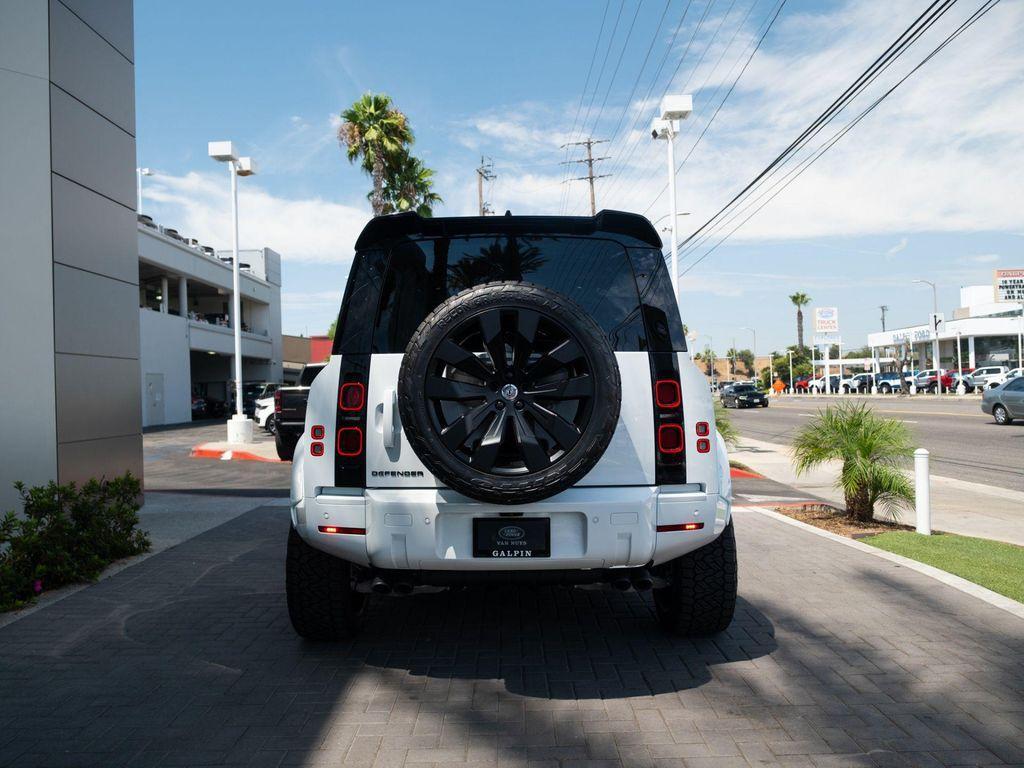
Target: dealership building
{"x":988,"y":331}
{"x":186,"y":339}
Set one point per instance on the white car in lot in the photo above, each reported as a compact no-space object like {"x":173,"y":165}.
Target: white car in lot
{"x":264,"y":411}
{"x":980,"y":377}
{"x":510,"y":400}
{"x":994,"y":380}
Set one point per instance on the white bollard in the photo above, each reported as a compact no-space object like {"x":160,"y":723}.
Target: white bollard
{"x":922,"y":492}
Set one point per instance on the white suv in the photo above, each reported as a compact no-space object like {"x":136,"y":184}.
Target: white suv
{"x":509,"y":399}
{"x":983,"y":376}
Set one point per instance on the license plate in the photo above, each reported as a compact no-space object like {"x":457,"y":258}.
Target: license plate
{"x":512,"y":538}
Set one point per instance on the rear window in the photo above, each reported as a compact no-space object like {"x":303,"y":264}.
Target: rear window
{"x":308,"y":374}
{"x":594,"y":273}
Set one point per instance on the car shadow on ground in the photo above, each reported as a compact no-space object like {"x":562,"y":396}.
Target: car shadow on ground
{"x":188,"y":657}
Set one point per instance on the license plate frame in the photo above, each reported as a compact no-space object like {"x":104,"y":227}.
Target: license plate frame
{"x":496,"y":538}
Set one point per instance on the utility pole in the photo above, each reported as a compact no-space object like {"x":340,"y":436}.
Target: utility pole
{"x":884,"y":309}
{"x":589,"y":160}
{"x":484,"y":173}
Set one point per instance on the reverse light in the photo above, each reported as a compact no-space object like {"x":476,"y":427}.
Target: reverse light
{"x":667,"y":393}
{"x":703,"y":445}
{"x":351,"y":396}
{"x":703,"y":429}
{"x":316,"y":449}
{"x":317,"y":432}
{"x":670,"y":438}
{"x":350,"y":441}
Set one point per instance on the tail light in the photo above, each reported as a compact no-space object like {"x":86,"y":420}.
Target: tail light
{"x":350,"y":424}
{"x":277,"y":401}
{"x":670,"y":439}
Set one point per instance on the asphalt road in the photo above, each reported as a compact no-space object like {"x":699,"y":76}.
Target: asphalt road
{"x":964,"y":442}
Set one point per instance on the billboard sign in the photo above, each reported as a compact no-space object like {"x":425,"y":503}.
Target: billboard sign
{"x":826,"y":320}
{"x":1009,"y":284}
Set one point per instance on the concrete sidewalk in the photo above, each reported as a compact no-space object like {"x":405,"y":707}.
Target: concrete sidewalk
{"x":958,"y":506}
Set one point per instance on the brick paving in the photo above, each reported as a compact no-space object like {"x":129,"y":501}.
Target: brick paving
{"x":835,"y":658}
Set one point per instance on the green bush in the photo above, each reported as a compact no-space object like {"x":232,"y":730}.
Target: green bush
{"x":66,"y":535}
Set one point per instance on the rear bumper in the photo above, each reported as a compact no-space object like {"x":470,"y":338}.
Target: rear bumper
{"x":431,"y":529}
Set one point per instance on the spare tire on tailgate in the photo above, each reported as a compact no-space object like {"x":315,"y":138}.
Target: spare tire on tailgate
{"x":509,"y":392}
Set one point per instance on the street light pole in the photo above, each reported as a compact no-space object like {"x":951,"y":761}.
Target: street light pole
{"x":935,"y":331}
{"x":239,"y":427}
{"x":666,"y":126}
{"x":789,"y":352}
{"x":139,"y":173}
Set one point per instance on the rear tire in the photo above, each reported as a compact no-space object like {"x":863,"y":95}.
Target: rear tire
{"x":285,"y":446}
{"x":1001,"y":415}
{"x":701,"y":596}
{"x":322,"y":604}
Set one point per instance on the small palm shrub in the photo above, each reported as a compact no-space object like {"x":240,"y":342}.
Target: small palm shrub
{"x":871,"y":449}
{"x":67,"y":534}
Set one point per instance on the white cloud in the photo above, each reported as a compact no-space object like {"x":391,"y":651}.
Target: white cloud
{"x":982,"y":258}
{"x":302,"y":230}
{"x":900,"y":246}
{"x":943,"y":153}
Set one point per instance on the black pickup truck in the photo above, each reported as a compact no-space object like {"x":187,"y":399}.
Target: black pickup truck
{"x":290,"y":411}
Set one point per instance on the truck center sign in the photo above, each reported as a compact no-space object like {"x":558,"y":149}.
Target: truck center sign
{"x":826,"y":320}
{"x":1009,"y":284}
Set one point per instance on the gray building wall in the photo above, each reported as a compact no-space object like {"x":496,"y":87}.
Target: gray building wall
{"x":69,"y":325}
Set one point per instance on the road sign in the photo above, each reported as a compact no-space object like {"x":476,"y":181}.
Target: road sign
{"x":826,"y":320}
{"x":1009,"y":284}
{"x":937,"y":320}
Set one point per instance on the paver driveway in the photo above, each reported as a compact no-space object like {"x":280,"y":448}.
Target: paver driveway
{"x":835,"y":658}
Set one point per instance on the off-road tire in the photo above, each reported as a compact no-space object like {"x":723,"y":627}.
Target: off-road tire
{"x":510,"y":489}
{"x":1001,"y":415}
{"x":285,"y":446}
{"x":701,"y":596}
{"x":322,"y":604}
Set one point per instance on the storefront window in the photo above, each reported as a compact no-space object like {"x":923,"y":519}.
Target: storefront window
{"x":995,"y":350}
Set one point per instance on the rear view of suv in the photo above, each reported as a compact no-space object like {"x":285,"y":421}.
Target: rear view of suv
{"x":509,"y":400}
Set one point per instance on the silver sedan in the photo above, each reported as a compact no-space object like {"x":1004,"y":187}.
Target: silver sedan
{"x":1005,"y":402}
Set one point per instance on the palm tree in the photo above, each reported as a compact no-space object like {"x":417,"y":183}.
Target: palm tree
{"x":870,"y":448}
{"x":409,"y":186}
{"x":374,"y":131}
{"x":801,"y":300}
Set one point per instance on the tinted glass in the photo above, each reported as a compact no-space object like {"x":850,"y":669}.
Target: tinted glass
{"x":658,"y":304}
{"x":353,"y":332}
{"x":594,"y":273}
{"x":308,"y":374}
{"x":1015,"y":385}
{"x":743,"y":388}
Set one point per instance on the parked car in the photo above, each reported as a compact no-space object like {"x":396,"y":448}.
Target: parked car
{"x":290,"y":411}
{"x":198,"y":407}
{"x":860,"y":382}
{"x":1005,"y":401}
{"x":951,"y":380}
{"x":888,"y":382}
{"x":801,"y":382}
{"x":817,"y":386}
{"x":928,"y":379}
{"x":263,"y":413}
{"x":744,"y":396}
{"x":980,"y":376}
{"x":506,"y":427}
{"x":1000,"y":378}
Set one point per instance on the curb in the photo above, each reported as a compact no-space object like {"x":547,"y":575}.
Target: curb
{"x":949,"y":579}
{"x":214,"y":453}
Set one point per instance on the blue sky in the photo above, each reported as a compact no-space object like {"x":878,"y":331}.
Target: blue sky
{"x":928,"y":186}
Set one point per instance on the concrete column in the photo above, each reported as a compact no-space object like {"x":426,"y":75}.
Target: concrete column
{"x":970,"y":352}
{"x":164,"y":298}
{"x":183,"y":296}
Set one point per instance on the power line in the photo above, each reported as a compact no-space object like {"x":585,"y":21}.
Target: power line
{"x":589,"y":160}
{"x":772,"y":16}
{"x":485,"y":172}
{"x":583,"y":93}
{"x":618,"y":63}
{"x":896,"y":49}
{"x":978,"y":14}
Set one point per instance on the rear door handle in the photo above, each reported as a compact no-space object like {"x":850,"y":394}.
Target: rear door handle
{"x":390,"y":403}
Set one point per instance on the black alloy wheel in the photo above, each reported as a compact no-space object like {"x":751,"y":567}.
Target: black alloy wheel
{"x":509,"y":392}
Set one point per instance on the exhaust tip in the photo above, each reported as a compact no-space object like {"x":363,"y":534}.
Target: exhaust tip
{"x":643,"y":582}
{"x":380,"y":587}
{"x":403,"y":588}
